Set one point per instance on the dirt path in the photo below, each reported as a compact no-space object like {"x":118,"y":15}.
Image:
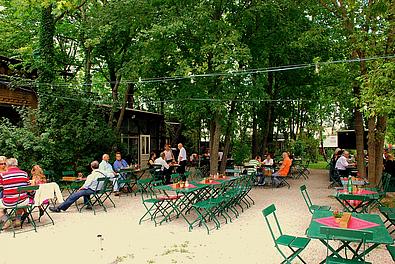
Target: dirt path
{"x":247,"y":240}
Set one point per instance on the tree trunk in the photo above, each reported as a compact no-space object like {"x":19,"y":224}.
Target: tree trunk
{"x":130,"y":95}
{"x":46,"y":67}
{"x":214,"y":139}
{"x":87,"y":69}
{"x":359,"y":138}
{"x":381,"y":127}
{"x":254,"y":145}
{"x":228,"y":133}
{"x":371,"y":150}
{"x":114,"y":105}
{"x":124,"y":105}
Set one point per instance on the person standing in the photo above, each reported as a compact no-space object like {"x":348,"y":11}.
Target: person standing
{"x":106,"y":167}
{"x":182,"y":160}
{"x":90,"y":186}
{"x":169,"y":157}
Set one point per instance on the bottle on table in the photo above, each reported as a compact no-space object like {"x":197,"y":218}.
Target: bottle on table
{"x":349,"y":184}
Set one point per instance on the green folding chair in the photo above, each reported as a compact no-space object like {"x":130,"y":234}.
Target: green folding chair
{"x":28,"y":208}
{"x":125,"y":183}
{"x":153,"y":203}
{"x":175,"y":177}
{"x":347,"y":235}
{"x":381,"y":189}
{"x":100,"y":195}
{"x":50,"y":175}
{"x":389,"y":214}
{"x":312,"y":207}
{"x":391,"y":250}
{"x":295,"y":244}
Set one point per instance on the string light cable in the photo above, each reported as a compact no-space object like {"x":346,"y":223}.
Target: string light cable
{"x":224,"y":74}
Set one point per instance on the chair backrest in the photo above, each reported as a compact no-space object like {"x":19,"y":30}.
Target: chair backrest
{"x":50,"y":175}
{"x":347,"y":235}
{"x":24,"y":189}
{"x":68,"y":173}
{"x":306,"y":197}
{"x":102,"y":184}
{"x":175,"y":177}
{"x":267,"y":212}
{"x":385,"y":179}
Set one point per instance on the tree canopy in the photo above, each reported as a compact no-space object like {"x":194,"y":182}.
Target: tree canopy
{"x":245,"y":72}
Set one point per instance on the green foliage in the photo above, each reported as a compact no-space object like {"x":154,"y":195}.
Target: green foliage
{"x":63,"y":132}
{"x":378,"y":91}
{"x":241,"y":152}
{"x":305,"y":147}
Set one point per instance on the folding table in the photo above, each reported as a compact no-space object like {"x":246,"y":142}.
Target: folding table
{"x":372,"y":222}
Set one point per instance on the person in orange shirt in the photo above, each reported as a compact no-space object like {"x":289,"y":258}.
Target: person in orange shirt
{"x":284,"y":169}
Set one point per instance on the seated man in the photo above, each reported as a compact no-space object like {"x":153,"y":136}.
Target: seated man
{"x":284,"y":169}
{"x":89,"y":187}
{"x":119,"y":164}
{"x":166,"y":172}
{"x":106,"y":167}
{"x":342,"y":164}
{"x":11,"y":179}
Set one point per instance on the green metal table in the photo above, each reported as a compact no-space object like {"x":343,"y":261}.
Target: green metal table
{"x":182,"y":205}
{"x":349,"y":204}
{"x":134,"y":174}
{"x":189,"y":196}
{"x":380,"y":234}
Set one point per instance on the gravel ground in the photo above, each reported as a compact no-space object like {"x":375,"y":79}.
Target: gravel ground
{"x":73,"y":238}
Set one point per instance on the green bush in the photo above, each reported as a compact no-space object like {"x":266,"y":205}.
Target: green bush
{"x":60,"y":134}
{"x":241,"y":152}
{"x":306,"y":147}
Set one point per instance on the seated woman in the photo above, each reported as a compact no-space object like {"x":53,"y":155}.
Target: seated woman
{"x":38,"y":176}
{"x":151,"y":160}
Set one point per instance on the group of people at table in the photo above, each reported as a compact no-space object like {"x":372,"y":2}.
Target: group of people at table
{"x":342,"y":165}
{"x":264,"y":168}
{"x":11,"y":178}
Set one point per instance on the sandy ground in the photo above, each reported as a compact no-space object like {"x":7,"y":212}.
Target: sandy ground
{"x":73,"y":238}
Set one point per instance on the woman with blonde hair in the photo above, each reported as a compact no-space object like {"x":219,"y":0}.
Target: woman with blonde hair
{"x":2,"y":163}
{"x":38,"y":176}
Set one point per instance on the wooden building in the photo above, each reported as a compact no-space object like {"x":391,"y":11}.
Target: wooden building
{"x":142,"y":132}
{"x":12,"y":97}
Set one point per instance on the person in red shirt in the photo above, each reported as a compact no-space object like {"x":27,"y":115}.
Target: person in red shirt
{"x":11,"y":180}
{"x":284,"y":169}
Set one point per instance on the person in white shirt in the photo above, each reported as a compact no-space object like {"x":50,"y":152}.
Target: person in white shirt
{"x":182,"y":160}
{"x":169,"y":157}
{"x":268,"y":161}
{"x":342,"y":164}
{"x":106,"y":167}
{"x":166,"y":172}
{"x":90,"y":186}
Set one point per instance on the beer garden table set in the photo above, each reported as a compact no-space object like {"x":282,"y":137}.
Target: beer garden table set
{"x":208,"y":198}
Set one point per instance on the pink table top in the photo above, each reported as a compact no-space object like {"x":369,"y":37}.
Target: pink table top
{"x":354,"y":223}
{"x":211,"y":182}
{"x":361,"y":192}
{"x":190,"y":186}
